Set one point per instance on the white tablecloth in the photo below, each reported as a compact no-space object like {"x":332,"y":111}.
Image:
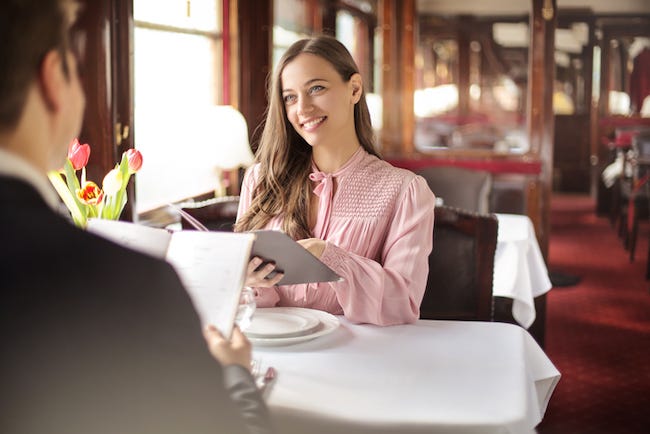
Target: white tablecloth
{"x":519,"y":269}
{"x":429,"y":377}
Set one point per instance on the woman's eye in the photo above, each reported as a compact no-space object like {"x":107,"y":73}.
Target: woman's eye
{"x":315,"y":89}
{"x":288,"y":99}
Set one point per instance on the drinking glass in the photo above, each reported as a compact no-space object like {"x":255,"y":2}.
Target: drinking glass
{"x":246,"y":308}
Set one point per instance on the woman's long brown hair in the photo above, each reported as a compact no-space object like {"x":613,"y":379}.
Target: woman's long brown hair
{"x":283,"y":186}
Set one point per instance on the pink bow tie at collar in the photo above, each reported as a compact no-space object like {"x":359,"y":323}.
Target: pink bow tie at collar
{"x":325,"y":183}
{"x":324,"y":190}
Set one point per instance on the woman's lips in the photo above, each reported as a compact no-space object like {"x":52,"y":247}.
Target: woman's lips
{"x":313,"y":123}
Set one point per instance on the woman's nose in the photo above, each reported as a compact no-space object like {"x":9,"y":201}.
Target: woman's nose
{"x":304,"y":105}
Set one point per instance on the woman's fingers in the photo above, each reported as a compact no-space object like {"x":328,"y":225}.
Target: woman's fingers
{"x":253,"y":264}
{"x":264,"y":276}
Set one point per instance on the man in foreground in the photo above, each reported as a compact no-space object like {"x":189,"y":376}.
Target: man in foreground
{"x":95,"y":338}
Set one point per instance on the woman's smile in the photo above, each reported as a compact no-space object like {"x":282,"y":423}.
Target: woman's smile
{"x":313,"y":123}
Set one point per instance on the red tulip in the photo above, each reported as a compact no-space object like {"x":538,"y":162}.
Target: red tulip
{"x":78,"y":154}
{"x":90,"y":193}
{"x":135,"y":160}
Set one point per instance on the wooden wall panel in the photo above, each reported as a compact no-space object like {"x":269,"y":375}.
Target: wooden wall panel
{"x":96,"y":21}
{"x":397,"y":21}
{"x":541,"y":74}
{"x":255,"y":32}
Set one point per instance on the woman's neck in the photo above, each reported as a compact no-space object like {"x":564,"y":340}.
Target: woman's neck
{"x":331,"y":160}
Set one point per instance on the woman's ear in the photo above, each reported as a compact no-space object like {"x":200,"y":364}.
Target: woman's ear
{"x":357,"y":87}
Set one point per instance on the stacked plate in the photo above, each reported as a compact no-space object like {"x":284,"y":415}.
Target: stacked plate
{"x":289,"y":325}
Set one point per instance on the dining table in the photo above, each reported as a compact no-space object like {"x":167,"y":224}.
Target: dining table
{"x":520,"y":272}
{"x":427,"y":377}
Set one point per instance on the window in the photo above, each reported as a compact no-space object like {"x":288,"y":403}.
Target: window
{"x":470,"y":82}
{"x":178,"y":73}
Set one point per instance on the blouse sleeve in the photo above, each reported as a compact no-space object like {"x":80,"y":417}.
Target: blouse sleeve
{"x":264,"y":297}
{"x":389,"y":292}
{"x":245,"y":196}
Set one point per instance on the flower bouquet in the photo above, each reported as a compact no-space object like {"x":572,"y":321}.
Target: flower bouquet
{"x":84,"y":198}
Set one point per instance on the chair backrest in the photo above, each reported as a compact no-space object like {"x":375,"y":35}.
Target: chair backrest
{"x":459,"y":187}
{"x":461,"y":266}
{"x":218,"y":214}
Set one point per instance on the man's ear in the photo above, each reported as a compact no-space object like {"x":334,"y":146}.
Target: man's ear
{"x":52,"y":80}
{"x":357,"y":87}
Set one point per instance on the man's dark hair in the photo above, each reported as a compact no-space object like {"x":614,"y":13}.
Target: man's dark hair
{"x":29,"y":29}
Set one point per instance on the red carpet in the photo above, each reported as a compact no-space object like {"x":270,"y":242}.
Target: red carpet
{"x":597,"y":332}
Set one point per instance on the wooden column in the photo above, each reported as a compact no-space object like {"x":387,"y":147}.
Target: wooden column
{"x":255,"y":31}
{"x":122,"y":89}
{"x":398,"y":25}
{"x":464,"y":52}
{"x":97,"y":129}
{"x":603,"y":99}
{"x":541,"y":75}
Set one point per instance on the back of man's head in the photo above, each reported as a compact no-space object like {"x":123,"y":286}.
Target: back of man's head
{"x":28,"y":30}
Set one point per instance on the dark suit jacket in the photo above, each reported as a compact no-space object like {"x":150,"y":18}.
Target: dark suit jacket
{"x":100,"y":339}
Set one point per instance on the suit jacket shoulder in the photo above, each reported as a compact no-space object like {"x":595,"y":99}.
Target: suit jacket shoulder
{"x":103,"y":339}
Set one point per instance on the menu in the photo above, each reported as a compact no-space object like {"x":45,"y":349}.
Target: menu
{"x":211,"y":265}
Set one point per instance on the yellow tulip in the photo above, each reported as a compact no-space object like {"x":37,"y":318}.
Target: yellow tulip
{"x":90,"y":194}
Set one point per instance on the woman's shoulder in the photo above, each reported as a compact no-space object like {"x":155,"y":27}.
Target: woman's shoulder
{"x":376,"y":181}
{"x":373,"y":167}
{"x":251,"y":174}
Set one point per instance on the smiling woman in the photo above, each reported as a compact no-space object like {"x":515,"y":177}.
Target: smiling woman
{"x":319,"y":178}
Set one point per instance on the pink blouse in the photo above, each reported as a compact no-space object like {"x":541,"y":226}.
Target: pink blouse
{"x":378,"y":228}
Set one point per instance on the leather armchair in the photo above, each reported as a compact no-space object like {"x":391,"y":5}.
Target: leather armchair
{"x":461,"y":266}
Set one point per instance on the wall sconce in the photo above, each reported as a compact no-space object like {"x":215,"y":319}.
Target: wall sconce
{"x":547,"y":10}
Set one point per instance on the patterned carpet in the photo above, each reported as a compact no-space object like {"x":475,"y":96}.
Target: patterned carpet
{"x":598,"y":331}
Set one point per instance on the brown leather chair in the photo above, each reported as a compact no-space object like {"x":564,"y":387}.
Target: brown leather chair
{"x":460,"y":187}
{"x":218,"y":214}
{"x":461,"y":266}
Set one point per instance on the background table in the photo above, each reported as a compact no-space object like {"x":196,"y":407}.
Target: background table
{"x":432,"y":376}
{"x":520,"y":272}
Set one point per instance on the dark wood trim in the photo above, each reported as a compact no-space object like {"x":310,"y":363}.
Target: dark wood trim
{"x":226,"y":51}
{"x":541,"y":124}
{"x":255,"y":31}
{"x":464,"y":51}
{"x":397,"y":20}
{"x":122,"y":89}
{"x":328,"y":23}
{"x":541,"y":73}
{"x":98,"y":127}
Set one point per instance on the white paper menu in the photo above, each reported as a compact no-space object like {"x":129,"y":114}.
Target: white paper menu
{"x":211,"y":265}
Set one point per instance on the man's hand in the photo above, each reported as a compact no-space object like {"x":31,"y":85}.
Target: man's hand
{"x":236,"y":351}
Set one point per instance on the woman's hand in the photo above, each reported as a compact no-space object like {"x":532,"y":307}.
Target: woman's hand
{"x":236,"y":351}
{"x":265,"y":277}
{"x":314,"y":245}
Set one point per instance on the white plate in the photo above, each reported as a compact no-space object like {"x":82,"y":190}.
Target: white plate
{"x":327,"y":323}
{"x":279,"y":323}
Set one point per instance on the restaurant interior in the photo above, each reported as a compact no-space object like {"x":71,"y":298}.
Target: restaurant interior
{"x":517,"y":113}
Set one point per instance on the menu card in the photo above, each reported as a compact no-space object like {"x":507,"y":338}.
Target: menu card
{"x":211,"y":265}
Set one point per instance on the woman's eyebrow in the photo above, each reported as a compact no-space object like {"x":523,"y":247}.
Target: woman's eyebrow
{"x":306,"y":84}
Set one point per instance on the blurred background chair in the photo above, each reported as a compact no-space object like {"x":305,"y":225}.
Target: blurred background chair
{"x":217,"y":214}
{"x":639,"y":194}
{"x":459,"y":187}
{"x":461,"y":266}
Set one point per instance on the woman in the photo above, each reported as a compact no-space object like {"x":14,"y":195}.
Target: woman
{"x":319,"y":179}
